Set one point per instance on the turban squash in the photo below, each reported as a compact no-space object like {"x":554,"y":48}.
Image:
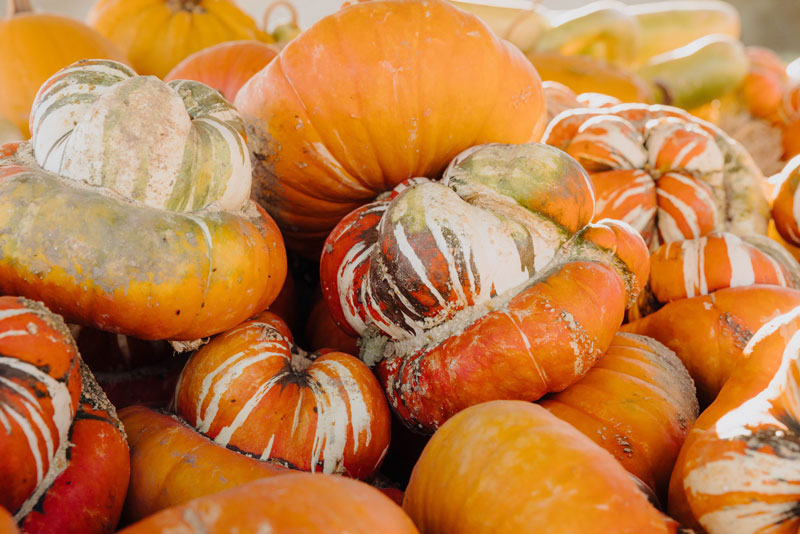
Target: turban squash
{"x":670,"y":175}
{"x":128,"y":211}
{"x":502,"y":467}
{"x":65,"y":460}
{"x":489,"y":284}
{"x":432,"y":82}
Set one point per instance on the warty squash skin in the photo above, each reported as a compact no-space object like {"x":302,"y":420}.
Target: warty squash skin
{"x":66,"y":463}
{"x":130,"y":236}
{"x":668,"y":174}
{"x":637,"y":402}
{"x":301,"y":503}
{"x":738,"y":472}
{"x":253,"y":390}
{"x":432,"y":82}
{"x":506,"y":467}
{"x":489,"y":284}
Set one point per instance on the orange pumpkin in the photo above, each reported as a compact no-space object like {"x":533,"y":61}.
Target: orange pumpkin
{"x":224,"y":66}
{"x":158,"y":34}
{"x":506,"y":467}
{"x":36,"y":46}
{"x":7,"y":523}
{"x":302,"y":503}
{"x":637,"y":402}
{"x":480,"y":287}
{"x":407,"y":86}
{"x":66,"y":465}
{"x":141,"y":226}
{"x":783,"y":205}
{"x":738,"y":469}
{"x":668,"y":174}
{"x":254,"y":390}
{"x":709,"y":332}
{"x":322,"y":331}
{"x":172,"y":464}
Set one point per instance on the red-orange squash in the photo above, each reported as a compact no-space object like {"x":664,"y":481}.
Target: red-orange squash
{"x":638,"y":403}
{"x":401,"y":88}
{"x":225,"y":66}
{"x":668,"y":174}
{"x":739,"y":469}
{"x":490,"y":284}
{"x":303,"y":503}
{"x":252,"y":389}
{"x":65,"y":461}
{"x":506,"y":467}
{"x":129,"y":209}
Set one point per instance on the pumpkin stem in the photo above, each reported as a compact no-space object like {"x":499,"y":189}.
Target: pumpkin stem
{"x":273,"y":6}
{"x":15,"y":7}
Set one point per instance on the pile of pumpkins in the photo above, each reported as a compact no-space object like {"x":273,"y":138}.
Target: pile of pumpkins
{"x":526,"y":308}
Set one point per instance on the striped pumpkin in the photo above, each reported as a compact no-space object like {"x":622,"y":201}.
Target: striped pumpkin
{"x":497,"y":259}
{"x":709,"y":332}
{"x":66,"y":462}
{"x":132,"y":201}
{"x":785,"y":204}
{"x":668,"y":174}
{"x":178,"y":146}
{"x":739,"y":469}
{"x":684,"y":269}
{"x":637,"y":402}
{"x":252,"y":389}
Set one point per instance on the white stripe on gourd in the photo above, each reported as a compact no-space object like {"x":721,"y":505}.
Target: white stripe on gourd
{"x":176,"y":146}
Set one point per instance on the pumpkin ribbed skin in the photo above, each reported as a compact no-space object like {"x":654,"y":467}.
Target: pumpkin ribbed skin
{"x":669,"y":175}
{"x":34,"y":59}
{"x":66,"y":462}
{"x":225,"y":66}
{"x":709,"y":332}
{"x":478,"y":287}
{"x":171,"y":463}
{"x":253,"y":390}
{"x":157,"y":34}
{"x":637,"y":402}
{"x":322,"y":150}
{"x":684,"y":269}
{"x":311,"y":504}
{"x":173,"y":274}
{"x":738,"y":469}
{"x":504,"y":466}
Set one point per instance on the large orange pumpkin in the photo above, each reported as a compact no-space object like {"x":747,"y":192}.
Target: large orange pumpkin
{"x":739,"y":469}
{"x":34,"y":47}
{"x":670,"y":175}
{"x":490,"y":284}
{"x":638,"y":403}
{"x":129,"y":209}
{"x":157,"y":34}
{"x":65,"y":461}
{"x":225,"y":66}
{"x":373,"y":95}
{"x":506,"y":467}
{"x":302,"y":503}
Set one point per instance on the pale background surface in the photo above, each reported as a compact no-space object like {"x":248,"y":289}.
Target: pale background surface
{"x":772,"y":23}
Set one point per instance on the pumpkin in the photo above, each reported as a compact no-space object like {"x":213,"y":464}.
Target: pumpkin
{"x":7,"y":523}
{"x":637,"y":402}
{"x":142,"y":226}
{"x":505,"y":467}
{"x":322,"y":331}
{"x":252,"y":389}
{"x":224,"y":66}
{"x":559,"y":97}
{"x":669,"y":175}
{"x":709,"y":332}
{"x":385,"y":113}
{"x":783,"y":210}
{"x":171,"y":463}
{"x":41,"y":44}
{"x":66,"y":464}
{"x":158,"y":34}
{"x":738,"y":469}
{"x":311,"y":504}
{"x":489,"y":284}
